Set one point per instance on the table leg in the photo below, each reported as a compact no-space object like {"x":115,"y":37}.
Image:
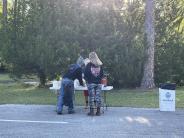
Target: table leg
{"x":105,"y":100}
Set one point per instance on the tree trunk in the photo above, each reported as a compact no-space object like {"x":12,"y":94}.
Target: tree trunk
{"x":15,"y":24}
{"x":42,"y":78}
{"x":4,"y":11}
{"x":148,"y":74}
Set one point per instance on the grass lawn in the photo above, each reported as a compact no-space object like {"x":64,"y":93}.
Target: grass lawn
{"x":19,"y":93}
{"x":4,"y":77}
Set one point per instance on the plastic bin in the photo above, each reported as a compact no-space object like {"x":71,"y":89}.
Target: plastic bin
{"x":167,"y":97}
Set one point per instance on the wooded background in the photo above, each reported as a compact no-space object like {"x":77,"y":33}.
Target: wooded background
{"x":140,"y":42}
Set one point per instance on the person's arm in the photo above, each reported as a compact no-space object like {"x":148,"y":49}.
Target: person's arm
{"x":86,"y":72}
{"x":79,"y":76}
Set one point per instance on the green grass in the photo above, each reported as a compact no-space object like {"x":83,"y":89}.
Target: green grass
{"x":5,"y":77}
{"x":130,"y":98}
{"x":19,"y":93}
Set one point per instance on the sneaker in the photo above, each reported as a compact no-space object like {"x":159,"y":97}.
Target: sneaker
{"x":91,"y":112}
{"x":98,"y":111}
{"x":59,"y":113}
{"x":71,"y":112}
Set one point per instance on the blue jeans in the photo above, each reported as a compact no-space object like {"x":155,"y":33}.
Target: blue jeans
{"x":66,"y":95}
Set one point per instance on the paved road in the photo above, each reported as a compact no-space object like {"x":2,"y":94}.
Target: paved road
{"x":41,"y":121}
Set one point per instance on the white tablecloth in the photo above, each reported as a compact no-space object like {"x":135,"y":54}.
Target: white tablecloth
{"x":57,"y":85}
{"x":81,"y":88}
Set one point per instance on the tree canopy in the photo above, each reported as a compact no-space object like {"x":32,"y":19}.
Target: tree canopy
{"x":44,"y":36}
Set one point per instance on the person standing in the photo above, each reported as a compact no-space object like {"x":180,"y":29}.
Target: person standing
{"x":66,"y":94}
{"x":93,"y":74}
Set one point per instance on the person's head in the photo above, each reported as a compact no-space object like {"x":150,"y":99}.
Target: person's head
{"x":94,"y":59}
{"x":80,"y":61}
{"x":86,"y":61}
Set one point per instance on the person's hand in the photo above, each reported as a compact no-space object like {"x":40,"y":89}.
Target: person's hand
{"x":82,"y":84}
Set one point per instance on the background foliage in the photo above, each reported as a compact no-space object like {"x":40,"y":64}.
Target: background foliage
{"x":43,"y":36}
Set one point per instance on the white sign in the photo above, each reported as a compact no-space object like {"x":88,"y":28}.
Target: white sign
{"x":166,"y":100}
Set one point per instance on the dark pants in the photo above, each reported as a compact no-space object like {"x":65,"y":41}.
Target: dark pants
{"x":94,"y":91}
{"x":66,"y":95}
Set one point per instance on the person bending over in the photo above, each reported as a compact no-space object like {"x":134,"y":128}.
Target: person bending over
{"x":66,"y":94}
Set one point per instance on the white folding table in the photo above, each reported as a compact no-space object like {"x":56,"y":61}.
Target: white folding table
{"x":57,"y":84}
{"x":104,"y":90}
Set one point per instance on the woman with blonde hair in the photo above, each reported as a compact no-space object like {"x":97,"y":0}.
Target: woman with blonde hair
{"x":93,"y":75}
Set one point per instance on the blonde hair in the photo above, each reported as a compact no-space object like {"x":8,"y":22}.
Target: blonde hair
{"x":94,"y":59}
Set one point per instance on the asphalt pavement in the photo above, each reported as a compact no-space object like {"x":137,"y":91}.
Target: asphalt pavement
{"x":41,"y":121}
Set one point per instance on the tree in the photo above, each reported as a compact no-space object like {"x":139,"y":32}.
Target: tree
{"x":44,"y":36}
{"x":3,"y":21}
{"x":169,"y":61}
{"x":47,"y":35}
{"x":148,"y":74}
{"x":41,"y":39}
{"x":5,"y":10}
